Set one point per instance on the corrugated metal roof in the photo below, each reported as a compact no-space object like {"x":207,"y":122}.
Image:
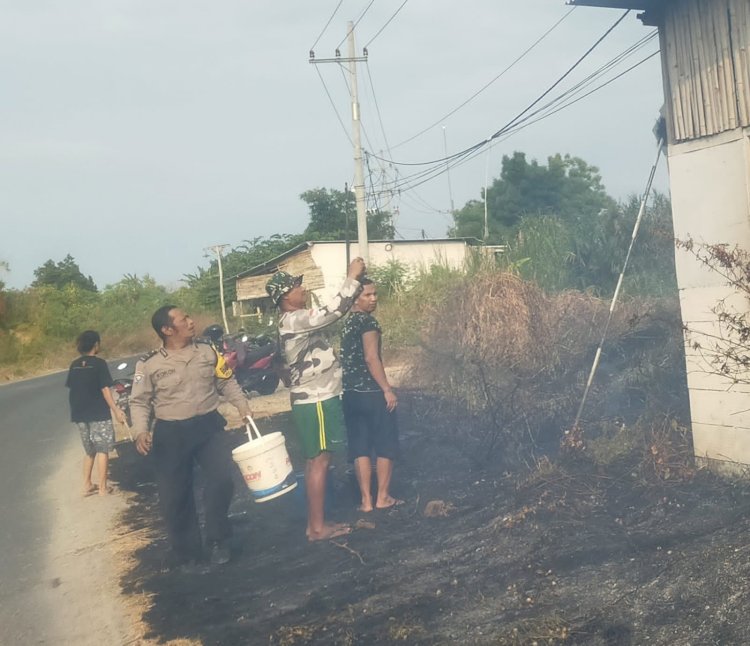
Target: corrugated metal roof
{"x":259,"y":269}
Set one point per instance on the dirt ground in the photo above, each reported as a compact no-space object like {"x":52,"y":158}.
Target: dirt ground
{"x":566,"y":555}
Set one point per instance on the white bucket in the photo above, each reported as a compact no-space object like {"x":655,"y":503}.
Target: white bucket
{"x":265,"y":465}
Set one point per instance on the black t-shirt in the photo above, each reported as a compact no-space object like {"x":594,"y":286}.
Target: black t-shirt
{"x":86,"y":378}
{"x":356,"y":374}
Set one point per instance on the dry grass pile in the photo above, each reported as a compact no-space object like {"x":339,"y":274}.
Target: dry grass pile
{"x":515,"y":359}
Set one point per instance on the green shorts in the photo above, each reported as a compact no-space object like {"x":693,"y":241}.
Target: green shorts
{"x":320,"y":426}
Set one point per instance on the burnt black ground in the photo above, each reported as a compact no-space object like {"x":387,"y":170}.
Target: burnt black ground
{"x":571,"y":556}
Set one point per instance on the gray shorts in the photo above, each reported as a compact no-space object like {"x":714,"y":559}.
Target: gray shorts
{"x":97,"y":437}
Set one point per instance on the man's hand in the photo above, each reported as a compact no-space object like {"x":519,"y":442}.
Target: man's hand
{"x":356,"y":269}
{"x":143,"y":442}
{"x":391,"y":401}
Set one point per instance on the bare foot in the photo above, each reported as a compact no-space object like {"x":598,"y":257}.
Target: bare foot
{"x":105,"y":491}
{"x":388,"y":502}
{"x":330,"y":530}
{"x":89,"y":490}
{"x":365,"y":507}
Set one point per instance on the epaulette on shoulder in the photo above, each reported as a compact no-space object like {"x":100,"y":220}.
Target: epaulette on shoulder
{"x":203,"y":340}
{"x":148,"y":355}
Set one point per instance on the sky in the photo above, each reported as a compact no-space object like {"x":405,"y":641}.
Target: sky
{"x":135,"y":134}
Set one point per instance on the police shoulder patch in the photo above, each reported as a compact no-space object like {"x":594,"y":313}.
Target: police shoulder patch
{"x":148,"y":355}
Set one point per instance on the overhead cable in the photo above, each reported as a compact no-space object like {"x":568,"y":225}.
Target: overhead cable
{"x":320,"y":35}
{"x":427,"y":175}
{"x":552,"y":107}
{"x":377,"y":108}
{"x":416,"y":179}
{"x":356,"y":22}
{"x":388,"y":22}
{"x":486,"y":85}
{"x":499,"y":132}
{"x":333,"y":105}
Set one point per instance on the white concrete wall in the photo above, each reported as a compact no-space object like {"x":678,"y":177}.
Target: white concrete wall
{"x":331,"y":257}
{"x":710,"y":186}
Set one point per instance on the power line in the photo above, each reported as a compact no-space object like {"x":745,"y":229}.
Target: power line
{"x":568,"y":73}
{"x":425,"y":176}
{"x":416,"y":179}
{"x":484,"y":87}
{"x":583,"y":96}
{"x":333,"y":105}
{"x":320,"y":35}
{"x":377,"y":107}
{"x":356,"y":22}
{"x":388,"y":22}
{"x":462,"y":153}
{"x":583,"y":84}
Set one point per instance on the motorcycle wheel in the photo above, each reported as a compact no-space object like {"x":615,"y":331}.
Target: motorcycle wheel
{"x":268,"y":385}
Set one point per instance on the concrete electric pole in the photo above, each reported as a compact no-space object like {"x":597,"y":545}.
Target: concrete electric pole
{"x":217,"y":249}
{"x":359,"y":172}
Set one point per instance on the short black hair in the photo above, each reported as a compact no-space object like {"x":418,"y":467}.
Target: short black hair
{"x":162,"y":318}
{"x":87,"y":340}
{"x":366,"y":281}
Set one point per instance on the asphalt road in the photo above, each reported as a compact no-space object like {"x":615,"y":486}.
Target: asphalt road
{"x":43,"y":514}
{"x":35,"y":428}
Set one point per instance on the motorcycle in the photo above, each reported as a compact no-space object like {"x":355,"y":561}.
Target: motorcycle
{"x":251,"y":358}
{"x":123,"y":386}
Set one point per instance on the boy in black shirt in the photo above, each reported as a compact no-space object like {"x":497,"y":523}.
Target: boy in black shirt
{"x":91,"y":401}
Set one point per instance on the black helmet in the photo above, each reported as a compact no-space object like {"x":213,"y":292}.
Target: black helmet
{"x":214,"y":332}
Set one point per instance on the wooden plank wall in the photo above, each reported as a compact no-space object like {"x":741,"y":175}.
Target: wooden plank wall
{"x":707,"y":66}
{"x":254,"y":287}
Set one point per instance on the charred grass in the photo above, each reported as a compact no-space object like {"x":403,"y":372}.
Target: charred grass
{"x":513,"y":532}
{"x":567,"y":551}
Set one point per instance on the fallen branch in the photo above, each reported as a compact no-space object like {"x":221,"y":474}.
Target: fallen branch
{"x":349,"y":549}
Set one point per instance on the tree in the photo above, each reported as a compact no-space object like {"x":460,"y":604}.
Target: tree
{"x":567,"y":188}
{"x":328,"y":210}
{"x":204,"y":284}
{"x":3,"y":267}
{"x":60,"y":274}
{"x":589,"y":253}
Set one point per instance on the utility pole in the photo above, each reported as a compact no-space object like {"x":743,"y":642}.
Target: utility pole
{"x":217,"y":249}
{"x":359,"y":172}
{"x":486,"y":190}
{"x":346,"y":222}
{"x":448,"y":169}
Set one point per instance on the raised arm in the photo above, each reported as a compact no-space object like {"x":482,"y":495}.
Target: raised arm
{"x":320,"y":317}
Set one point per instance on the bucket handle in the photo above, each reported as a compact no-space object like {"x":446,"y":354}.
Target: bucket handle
{"x":251,"y":425}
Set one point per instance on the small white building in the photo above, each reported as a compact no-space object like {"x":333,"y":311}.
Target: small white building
{"x":324,"y":265}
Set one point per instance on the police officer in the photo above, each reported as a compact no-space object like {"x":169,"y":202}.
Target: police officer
{"x":179,"y":384}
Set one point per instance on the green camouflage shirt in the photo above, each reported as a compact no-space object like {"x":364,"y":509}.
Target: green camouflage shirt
{"x":315,"y":370}
{"x":356,"y":375}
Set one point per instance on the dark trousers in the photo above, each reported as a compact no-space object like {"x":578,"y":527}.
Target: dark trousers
{"x":177,"y":446}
